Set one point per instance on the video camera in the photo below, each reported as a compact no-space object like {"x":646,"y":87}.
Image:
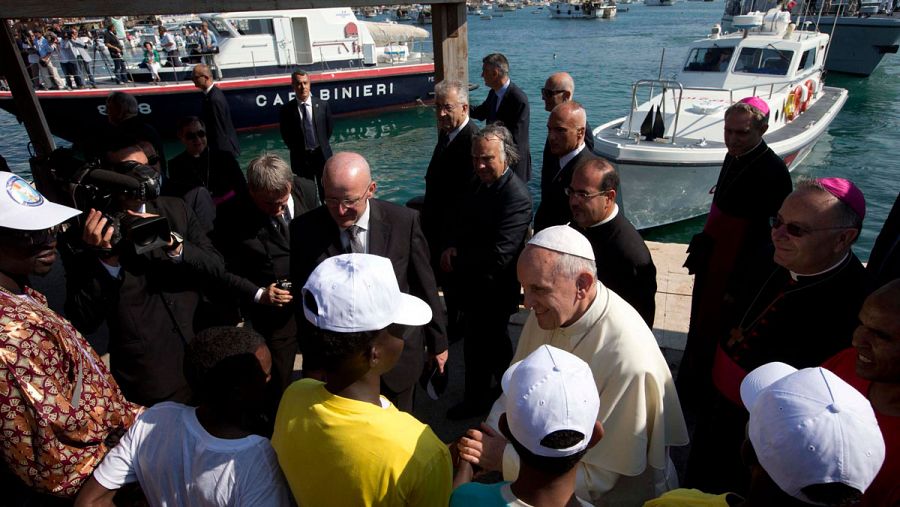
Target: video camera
{"x":91,"y":186}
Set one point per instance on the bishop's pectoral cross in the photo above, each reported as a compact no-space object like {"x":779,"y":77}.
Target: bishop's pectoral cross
{"x":736,"y":336}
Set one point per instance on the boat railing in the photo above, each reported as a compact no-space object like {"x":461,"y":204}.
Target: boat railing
{"x":768,"y":90}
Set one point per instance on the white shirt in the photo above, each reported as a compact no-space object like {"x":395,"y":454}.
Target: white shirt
{"x":178,"y":463}
{"x":565,"y":159}
{"x":453,"y":133}
{"x":501,"y":92}
{"x":363,"y":234}
{"x":301,"y":106}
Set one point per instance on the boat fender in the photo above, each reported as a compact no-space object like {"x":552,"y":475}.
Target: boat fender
{"x":792,"y":107}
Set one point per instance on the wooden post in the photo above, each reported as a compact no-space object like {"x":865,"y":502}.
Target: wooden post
{"x":28,"y":109}
{"x":451,"y":42}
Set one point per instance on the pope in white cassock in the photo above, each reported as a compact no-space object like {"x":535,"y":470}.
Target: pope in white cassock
{"x":639,"y":407}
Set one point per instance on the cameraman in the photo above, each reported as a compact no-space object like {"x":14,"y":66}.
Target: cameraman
{"x":149,"y":300}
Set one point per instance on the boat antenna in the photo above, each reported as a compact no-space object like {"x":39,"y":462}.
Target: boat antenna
{"x":662,"y":58}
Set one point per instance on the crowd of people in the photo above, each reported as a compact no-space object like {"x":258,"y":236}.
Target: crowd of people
{"x":211,"y":279}
{"x":74,"y":56}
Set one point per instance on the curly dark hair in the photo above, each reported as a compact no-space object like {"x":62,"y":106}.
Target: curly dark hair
{"x":221,"y":358}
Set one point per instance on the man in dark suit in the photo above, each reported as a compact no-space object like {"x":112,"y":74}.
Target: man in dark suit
{"x":149,"y":300}
{"x":306,"y":127}
{"x":449,"y":174}
{"x":252,"y":233}
{"x":351,"y":221}
{"x":624,"y":264}
{"x":215,"y":113}
{"x":565,"y":137}
{"x":482,"y":258}
{"x":508,"y":104}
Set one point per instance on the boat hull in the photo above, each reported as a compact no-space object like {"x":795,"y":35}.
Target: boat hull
{"x":859,"y":44}
{"x":254,"y":103}
{"x":660,"y":185}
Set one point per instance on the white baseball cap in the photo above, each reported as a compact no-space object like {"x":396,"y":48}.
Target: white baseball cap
{"x":359,"y":292}
{"x":564,"y":239}
{"x":548,"y":391}
{"x":24,"y":208}
{"x":810,"y":427}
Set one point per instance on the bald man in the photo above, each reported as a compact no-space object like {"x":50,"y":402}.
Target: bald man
{"x":215,"y":113}
{"x":566,"y":128}
{"x":352,"y":221}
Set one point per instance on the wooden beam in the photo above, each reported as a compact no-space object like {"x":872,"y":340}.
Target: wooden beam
{"x":451,"y":42}
{"x":94,"y":8}
{"x":29,"y":110}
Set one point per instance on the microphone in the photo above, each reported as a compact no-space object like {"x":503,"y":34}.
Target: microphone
{"x":106,"y":178}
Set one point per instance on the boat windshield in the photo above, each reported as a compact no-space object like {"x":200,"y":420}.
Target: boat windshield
{"x":764,"y":61}
{"x":714,"y":59}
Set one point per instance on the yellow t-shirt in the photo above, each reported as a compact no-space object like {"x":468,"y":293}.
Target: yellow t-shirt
{"x":342,"y":452}
{"x":693,"y":498}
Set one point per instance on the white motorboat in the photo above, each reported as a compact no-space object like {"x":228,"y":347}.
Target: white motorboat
{"x":578,"y":9}
{"x":669,"y":149}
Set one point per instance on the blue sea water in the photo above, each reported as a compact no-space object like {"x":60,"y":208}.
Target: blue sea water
{"x":604,"y":57}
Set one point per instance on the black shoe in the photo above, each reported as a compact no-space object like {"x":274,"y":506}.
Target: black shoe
{"x":467,"y":410}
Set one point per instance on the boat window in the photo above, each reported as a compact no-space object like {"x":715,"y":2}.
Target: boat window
{"x":712,"y":59}
{"x":764,"y":61}
{"x":253,"y":26}
{"x":219,"y":25}
{"x":808,"y":60}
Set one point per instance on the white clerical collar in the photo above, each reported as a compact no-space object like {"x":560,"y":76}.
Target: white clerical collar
{"x":363,"y":221}
{"x":608,"y":219}
{"x":565,"y":159}
{"x":452,"y":135}
{"x":796,"y":276}
{"x":750,"y":150}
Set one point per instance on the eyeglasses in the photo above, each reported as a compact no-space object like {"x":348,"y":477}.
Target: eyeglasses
{"x":447,"y":108}
{"x":152,"y":159}
{"x":584,"y":196}
{"x":32,"y":238}
{"x":798,"y":231}
{"x":193,"y":136}
{"x":547,"y":93}
{"x":347,"y":203}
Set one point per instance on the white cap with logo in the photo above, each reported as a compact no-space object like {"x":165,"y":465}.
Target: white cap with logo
{"x":24,"y":208}
{"x":359,"y":292}
{"x":810,"y":427}
{"x":548,"y":391}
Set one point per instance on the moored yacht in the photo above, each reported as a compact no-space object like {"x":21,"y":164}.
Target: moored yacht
{"x":669,"y":148}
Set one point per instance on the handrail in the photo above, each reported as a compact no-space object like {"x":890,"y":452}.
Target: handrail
{"x":672,"y":84}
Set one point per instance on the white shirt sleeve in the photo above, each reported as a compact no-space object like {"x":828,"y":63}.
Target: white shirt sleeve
{"x":118,"y":467}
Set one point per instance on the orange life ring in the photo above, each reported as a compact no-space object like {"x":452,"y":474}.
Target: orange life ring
{"x":810,"y":87}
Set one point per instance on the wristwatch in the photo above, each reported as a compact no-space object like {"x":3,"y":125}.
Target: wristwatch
{"x":177,"y":240}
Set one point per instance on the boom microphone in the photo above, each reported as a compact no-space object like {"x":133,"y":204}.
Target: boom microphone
{"x":112,"y":179}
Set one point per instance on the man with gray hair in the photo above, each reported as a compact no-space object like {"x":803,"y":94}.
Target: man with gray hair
{"x":481,"y":258}
{"x":449,"y":174}
{"x":506,"y":103}
{"x":252,"y":233}
{"x":639,"y":408}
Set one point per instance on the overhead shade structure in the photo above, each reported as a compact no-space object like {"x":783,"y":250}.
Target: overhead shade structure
{"x":386,"y":33}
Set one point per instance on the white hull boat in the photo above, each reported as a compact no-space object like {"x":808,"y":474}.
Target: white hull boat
{"x":669,"y":149}
{"x":582,"y":10}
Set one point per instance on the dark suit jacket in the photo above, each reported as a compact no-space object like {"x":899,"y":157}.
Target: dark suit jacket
{"x":150,"y":307}
{"x":624,"y":264}
{"x":447,"y":179}
{"x":216,"y":115}
{"x":256,"y":255}
{"x":554,"y":208}
{"x":488,"y":240}
{"x":216,"y":170}
{"x":394,"y":232}
{"x":292,"y":133}
{"x":515,"y":114}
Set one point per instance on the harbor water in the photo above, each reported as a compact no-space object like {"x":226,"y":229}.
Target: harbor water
{"x":604,"y":57}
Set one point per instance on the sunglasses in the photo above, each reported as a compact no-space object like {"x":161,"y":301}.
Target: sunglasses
{"x":193,"y":136}
{"x":32,"y":238}
{"x":547,"y":93}
{"x":798,"y":231}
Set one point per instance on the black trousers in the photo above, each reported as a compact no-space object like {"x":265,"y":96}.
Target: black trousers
{"x":309,"y":164}
{"x":715,"y":464}
{"x":487,"y":350}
